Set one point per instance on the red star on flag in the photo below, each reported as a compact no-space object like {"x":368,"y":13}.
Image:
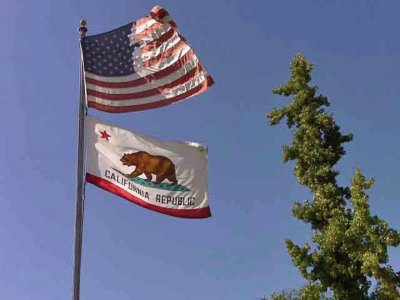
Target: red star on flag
{"x":105,"y":135}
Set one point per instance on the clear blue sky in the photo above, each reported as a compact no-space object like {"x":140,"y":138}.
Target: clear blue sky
{"x":239,"y":253}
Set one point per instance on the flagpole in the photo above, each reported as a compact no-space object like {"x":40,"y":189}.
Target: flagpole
{"x":80,"y":177}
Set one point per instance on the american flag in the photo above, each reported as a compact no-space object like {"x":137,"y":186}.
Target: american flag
{"x":145,"y":64}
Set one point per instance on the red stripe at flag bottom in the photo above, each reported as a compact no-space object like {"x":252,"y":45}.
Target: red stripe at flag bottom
{"x":181,"y":213}
{"x":127,"y":108}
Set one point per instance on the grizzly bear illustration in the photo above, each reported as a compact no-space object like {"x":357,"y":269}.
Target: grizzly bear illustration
{"x":149,"y":164}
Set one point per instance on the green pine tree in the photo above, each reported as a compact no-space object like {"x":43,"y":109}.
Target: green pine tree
{"x":309,"y":292}
{"x":348,"y":248}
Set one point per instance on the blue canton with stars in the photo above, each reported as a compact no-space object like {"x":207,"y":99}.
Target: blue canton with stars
{"x":109,"y":54}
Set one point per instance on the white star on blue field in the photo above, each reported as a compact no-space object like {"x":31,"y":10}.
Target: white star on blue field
{"x":116,"y":59}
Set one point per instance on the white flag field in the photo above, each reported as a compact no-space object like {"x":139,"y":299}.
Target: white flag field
{"x":166,"y":177}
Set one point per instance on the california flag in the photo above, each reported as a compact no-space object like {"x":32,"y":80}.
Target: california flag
{"x":167,"y":177}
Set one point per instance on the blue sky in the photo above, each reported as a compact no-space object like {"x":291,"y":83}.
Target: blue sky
{"x":239,"y":253}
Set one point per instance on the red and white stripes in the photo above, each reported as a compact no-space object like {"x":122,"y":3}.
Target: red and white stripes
{"x":166,"y":70}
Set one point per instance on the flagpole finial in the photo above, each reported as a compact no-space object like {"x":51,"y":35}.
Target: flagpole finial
{"x":82,"y":28}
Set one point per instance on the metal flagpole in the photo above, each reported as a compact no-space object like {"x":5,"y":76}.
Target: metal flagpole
{"x":80,"y":177}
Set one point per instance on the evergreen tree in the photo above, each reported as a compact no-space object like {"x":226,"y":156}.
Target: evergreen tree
{"x":348,"y":248}
{"x":309,"y":292}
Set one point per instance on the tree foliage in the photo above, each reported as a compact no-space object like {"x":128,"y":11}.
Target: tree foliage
{"x":309,"y":292}
{"x":348,"y":248}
